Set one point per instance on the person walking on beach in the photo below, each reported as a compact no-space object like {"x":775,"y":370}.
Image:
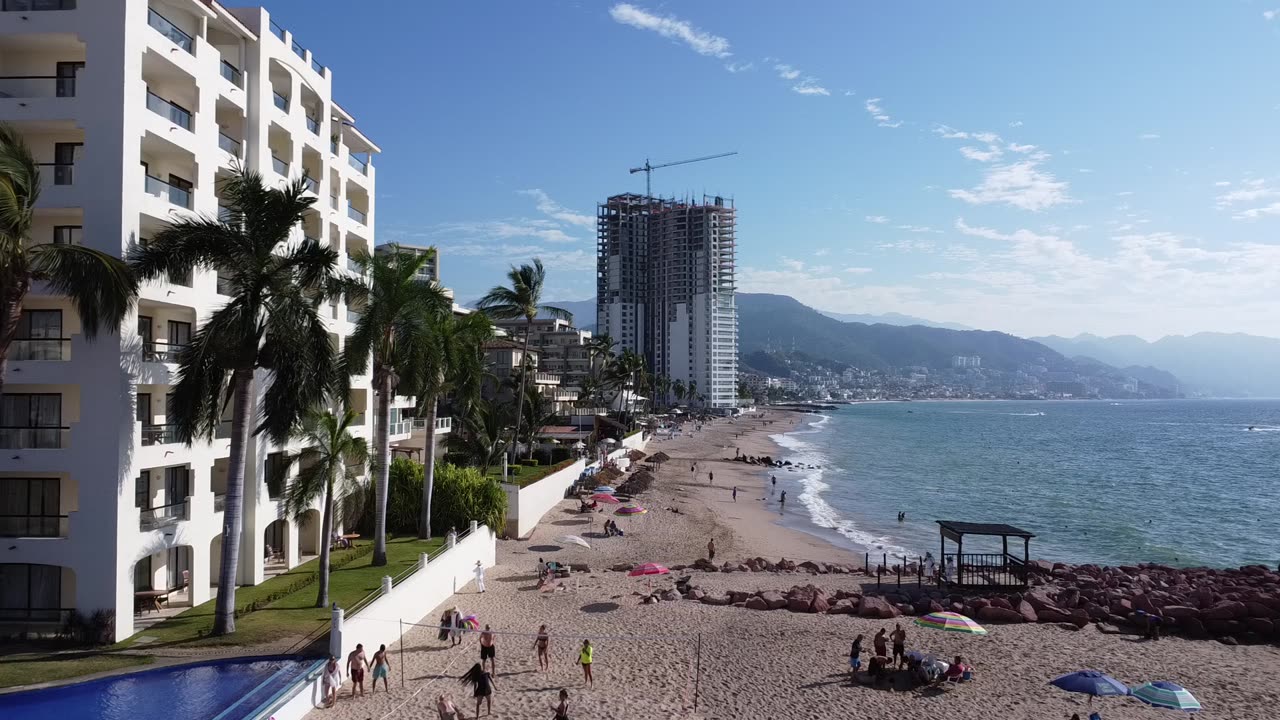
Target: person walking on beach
{"x":899,"y":638}
{"x":735,"y":493}
{"x":773,"y":484}
{"x":482,"y":687}
{"x":855,"y":657}
{"x":381,"y":669}
{"x":711,"y":478}
{"x":543,"y":645}
{"x":479,"y":573}
{"x":584,"y":659}
{"x":487,"y":650}
{"x":711,"y":549}
{"x":562,"y":709}
{"x":332,"y":682}
{"x":356,"y":665}
{"x":880,"y":644}
{"x":782,"y":501}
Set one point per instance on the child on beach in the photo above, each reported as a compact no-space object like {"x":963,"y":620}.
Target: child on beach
{"x":584,"y":659}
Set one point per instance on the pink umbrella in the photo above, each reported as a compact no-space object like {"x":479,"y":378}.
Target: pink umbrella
{"x":649,"y":569}
{"x":605,"y":498}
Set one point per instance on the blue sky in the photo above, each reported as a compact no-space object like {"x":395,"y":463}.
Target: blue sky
{"x":1029,"y":167}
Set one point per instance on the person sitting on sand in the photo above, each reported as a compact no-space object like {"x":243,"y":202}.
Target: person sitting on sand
{"x":957,"y":671}
{"x":482,"y":687}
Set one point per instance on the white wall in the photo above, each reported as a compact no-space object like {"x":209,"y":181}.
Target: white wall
{"x":526,"y":506}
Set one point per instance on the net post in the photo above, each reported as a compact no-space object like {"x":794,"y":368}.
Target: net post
{"x":697,"y":674}
{"x":401,"y":621}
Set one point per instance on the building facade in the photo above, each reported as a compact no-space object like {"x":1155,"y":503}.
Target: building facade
{"x":136,"y":110}
{"x":665,"y":289}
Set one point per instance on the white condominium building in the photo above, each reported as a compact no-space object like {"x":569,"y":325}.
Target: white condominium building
{"x":136,"y":109}
{"x":665,"y":289}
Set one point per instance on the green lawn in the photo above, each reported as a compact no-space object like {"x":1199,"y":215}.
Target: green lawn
{"x":294,"y":616}
{"x":530,"y":475}
{"x":28,"y":668}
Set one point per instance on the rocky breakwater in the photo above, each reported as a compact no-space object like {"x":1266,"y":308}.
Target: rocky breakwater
{"x":1233,"y":606}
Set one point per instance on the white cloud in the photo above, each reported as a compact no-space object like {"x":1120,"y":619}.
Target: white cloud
{"x":878,"y":219}
{"x":915,"y":228}
{"x":857,"y":270}
{"x":1015,"y":147}
{"x":986,"y":137}
{"x":1124,"y":193}
{"x":1015,"y":124}
{"x":739,"y":67}
{"x":950,"y":133}
{"x":849,"y":93}
{"x":879,"y":115}
{"x":1222,"y":183}
{"x":786,"y":72}
{"x":1250,"y":192}
{"x":1149,"y":136}
{"x":1085,"y":170}
{"x":1022,"y":184}
{"x":809,"y":86}
{"x":672,"y":28}
{"x":821,"y":252}
{"x":1271,"y":14}
{"x":973,"y":153}
{"x":554,"y":210}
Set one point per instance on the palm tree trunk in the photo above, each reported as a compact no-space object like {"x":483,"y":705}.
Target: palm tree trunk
{"x":524,"y":377}
{"x":326,"y":533}
{"x":224,"y":620}
{"x":428,"y":470}
{"x":382,"y":466}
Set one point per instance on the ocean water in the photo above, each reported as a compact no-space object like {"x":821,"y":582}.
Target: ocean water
{"x":1184,"y":482}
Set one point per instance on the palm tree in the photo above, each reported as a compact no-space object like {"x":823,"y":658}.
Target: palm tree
{"x":452,"y":363}
{"x":522,"y":300}
{"x":692,"y":391}
{"x":393,"y":333}
{"x":678,"y":389}
{"x":662,"y":386}
{"x":270,"y":323}
{"x":481,"y":436}
{"x":101,"y":287}
{"x":624,"y":374}
{"x":332,"y":467}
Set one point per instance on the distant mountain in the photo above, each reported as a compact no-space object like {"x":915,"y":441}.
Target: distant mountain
{"x":892,"y":319}
{"x":777,"y":321}
{"x":1217,"y":364}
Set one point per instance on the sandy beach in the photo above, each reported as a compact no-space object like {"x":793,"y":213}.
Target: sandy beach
{"x":651,"y":660}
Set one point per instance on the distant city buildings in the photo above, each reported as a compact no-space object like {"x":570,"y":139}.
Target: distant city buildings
{"x":665,"y":289}
{"x":960,"y":362}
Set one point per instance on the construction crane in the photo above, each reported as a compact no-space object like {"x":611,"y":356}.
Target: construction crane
{"x":648,"y":169}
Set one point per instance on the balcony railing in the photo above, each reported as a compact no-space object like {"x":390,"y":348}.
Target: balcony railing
{"x":40,"y":349}
{"x":63,"y":173}
{"x":317,"y":66}
{"x":356,"y":215}
{"x":333,"y":145}
{"x":277,"y":30}
{"x":162,"y":352}
{"x":444,"y":424}
{"x":228,"y":143}
{"x":333,"y":201}
{"x":312,"y":184}
{"x":224,"y":214}
{"x":298,"y":50}
{"x":36,"y":5}
{"x":280,"y":101}
{"x":152,"y":518}
{"x":232,"y":74}
{"x":313,"y":125}
{"x":15,"y":437}
{"x":403,"y":427}
{"x":159,"y":435}
{"x":176,"y":115}
{"x":176,"y":195}
{"x":219,"y":503}
{"x":171,"y":31}
{"x":353,"y":316}
{"x":359,"y":420}
{"x":33,"y":525}
{"x":36,"y":86}
{"x":281,"y":167}
{"x":361,"y":166}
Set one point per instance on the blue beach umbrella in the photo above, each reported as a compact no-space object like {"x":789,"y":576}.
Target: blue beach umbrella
{"x":1090,"y":682}
{"x":605,"y":489}
{"x":1164,"y":694}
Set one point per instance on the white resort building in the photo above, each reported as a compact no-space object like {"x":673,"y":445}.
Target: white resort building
{"x":136,"y":109}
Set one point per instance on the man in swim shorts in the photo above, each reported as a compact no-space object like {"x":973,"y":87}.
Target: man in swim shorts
{"x":488,"y":651}
{"x":381,"y":669}
{"x":356,"y":665}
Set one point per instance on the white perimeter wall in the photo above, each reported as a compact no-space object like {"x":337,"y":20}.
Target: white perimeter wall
{"x":526,"y":506}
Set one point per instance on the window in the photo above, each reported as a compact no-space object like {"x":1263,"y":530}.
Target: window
{"x":30,"y":507}
{"x":277,"y":468}
{"x":67,"y":234}
{"x":142,"y":490}
{"x":177,"y":484}
{"x":30,"y":420}
{"x":67,"y":72}
{"x":64,"y":162}
{"x":39,"y":336}
{"x":30,"y":592}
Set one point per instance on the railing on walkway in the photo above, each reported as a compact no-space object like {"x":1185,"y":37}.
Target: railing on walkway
{"x":408,"y":572}
{"x":984,"y":570}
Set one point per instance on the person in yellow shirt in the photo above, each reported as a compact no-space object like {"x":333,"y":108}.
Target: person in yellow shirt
{"x":584,"y":659}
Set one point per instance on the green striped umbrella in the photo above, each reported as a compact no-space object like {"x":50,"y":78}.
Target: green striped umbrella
{"x":951,"y":622}
{"x":1163,"y":694}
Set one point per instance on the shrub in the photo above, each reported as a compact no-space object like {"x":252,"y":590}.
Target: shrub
{"x":531,"y":462}
{"x":559,"y":455}
{"x":461,"y":495}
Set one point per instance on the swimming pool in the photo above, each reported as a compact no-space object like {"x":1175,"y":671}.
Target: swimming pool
{"x":228,"y":689}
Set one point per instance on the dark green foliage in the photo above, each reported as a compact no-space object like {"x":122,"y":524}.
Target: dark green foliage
{"x":461,"y":495}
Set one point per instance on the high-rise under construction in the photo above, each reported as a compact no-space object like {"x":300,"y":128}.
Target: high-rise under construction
{"x":665,"y":289}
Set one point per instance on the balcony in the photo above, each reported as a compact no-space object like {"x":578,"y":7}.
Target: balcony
{"x":63,"y":173}
{"x":281,"y":167}
{"x":36,"y":86}
{"x":333,"y":201}
{"x":36,"y":5}
{"x":161,"y":352}
{"x":317,"y":67}
{"x":356,"y":215}
{"x":444,"y":424}
{"x":403,"y":427}
{"x":23,"y":437}
{"x":33,"y":526}
{"x":159,"y":435}
{"x":280,"y":101}
{"x":312,"y":184}
{"x":353,"y":316}
{"x":232,"y":74}
{"x":313,"y":125}
{"x":361,"y":166}
{"x":171,"y":31}
{"x":225,"y":214}
{"x":355,"y":266}
{"x":27,"y":349}
{"x":230,"y":144}
{"x":161,"y":189}
{"x":298,"y":49}
{"x":165,"y":109}
{"x":277,"y":30}
{"x":156,"y":517}
{"x":333,"y":145}
{"x":219,"y":503}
